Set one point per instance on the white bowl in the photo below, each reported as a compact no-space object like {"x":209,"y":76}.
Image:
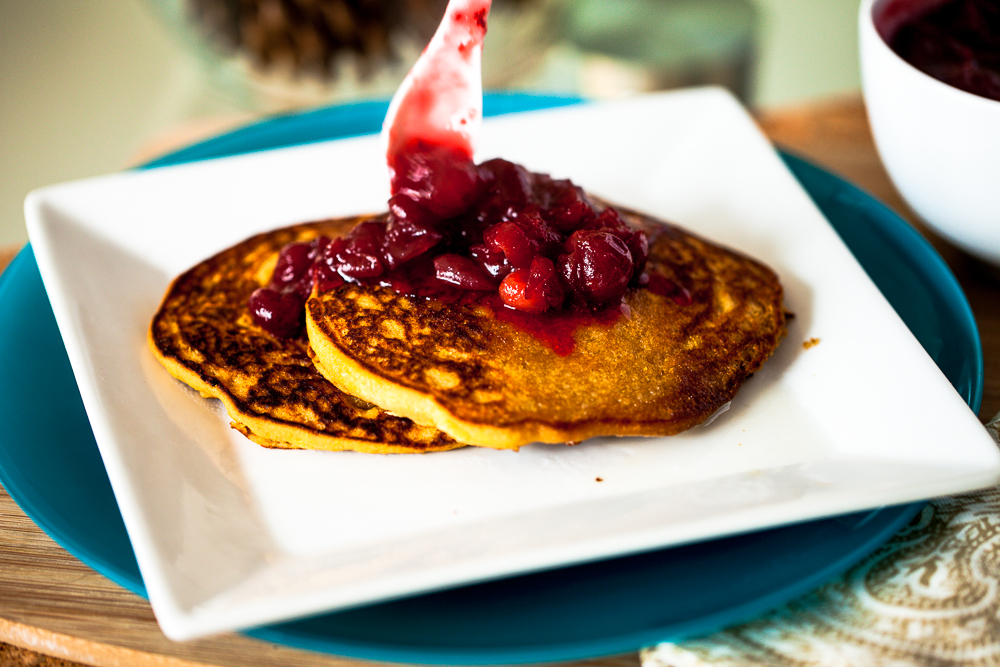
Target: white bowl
{"x":940,"y":144}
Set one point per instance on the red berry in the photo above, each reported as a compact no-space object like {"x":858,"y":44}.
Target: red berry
{"x":597,"y":267}
{"x":293,"y":263}
{"x":509,"y":238}
{"x":443,"y":179}
{"x":407,"y":235}
{"x":544,"y":282}
{"x":362,"y":255}
{"x":326,"y":277}
{"x":406,"y":206}
{"x":611,"y":221}
{"x":529,"y":218}
{"x":566,"y":205}
{"x":638,"y":247}
{"x":569,"y":217}
{"x":506,"y":182}
{"x":494,"y":263}
{"x":462,"y":271}
{"x":281,"y":314}
{"x":512,"y":293}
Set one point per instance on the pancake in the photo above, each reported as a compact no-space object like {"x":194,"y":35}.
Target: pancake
{"x":708,"y":320}
{"x":204,"y":335}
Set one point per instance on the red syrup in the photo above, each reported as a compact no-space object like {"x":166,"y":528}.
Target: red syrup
{"x":556,"y":330}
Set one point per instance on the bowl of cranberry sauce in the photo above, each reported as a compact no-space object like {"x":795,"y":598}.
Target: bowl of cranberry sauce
{"x":930,"y":72}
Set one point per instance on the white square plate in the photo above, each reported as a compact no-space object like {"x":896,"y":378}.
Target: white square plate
{"x":230,"y":535}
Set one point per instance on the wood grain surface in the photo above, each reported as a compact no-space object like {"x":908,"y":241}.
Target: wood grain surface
{"x":54,"y":608}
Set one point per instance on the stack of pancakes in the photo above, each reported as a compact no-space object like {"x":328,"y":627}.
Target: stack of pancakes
{"x":383,"y":372}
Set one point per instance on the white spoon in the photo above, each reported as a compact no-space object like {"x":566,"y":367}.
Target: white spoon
{"x":441,"y":99}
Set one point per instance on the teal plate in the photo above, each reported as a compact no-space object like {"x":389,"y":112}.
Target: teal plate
{"x":50,"y":465}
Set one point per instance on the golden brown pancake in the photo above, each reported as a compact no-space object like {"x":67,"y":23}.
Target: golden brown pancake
{"x":204,"y":335}
{"x":484,"y":381}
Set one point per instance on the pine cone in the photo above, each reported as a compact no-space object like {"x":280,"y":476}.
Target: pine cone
{"x":307,"y":36}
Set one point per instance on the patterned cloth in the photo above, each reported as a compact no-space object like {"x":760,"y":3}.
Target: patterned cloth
{"x":928,"y":597}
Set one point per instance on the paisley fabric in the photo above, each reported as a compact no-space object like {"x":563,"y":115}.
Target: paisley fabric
{"x":930,"y":596}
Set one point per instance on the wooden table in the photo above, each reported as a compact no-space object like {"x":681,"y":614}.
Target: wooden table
{"x":52,"y":604}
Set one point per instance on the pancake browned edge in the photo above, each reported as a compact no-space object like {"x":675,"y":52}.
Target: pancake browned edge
{"x":664,"y":369}
{"x":203,"y":334}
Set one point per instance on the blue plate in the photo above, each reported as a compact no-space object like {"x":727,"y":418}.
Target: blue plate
{"x":50,"y":465}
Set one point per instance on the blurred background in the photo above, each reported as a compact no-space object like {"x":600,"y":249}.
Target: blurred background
{"x":87,"y":87}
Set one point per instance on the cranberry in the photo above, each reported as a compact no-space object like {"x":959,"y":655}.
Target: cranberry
{"x":512,"y":293}
{"x":544,"y":281}
{"x":361,"y":256}
{"x":407,"y":236}
{"x":571,"y":216}
{"x":957,"y":42}
{"x":510,"y":239}
{"x":293,"y":263}
{"x":638,"y":247}
{"x":565,"y":203}
{"x":294,"y":270}
{"x":529,"y":218}
{"x":317,"y":246}
{"x":610,"y":221}
{"x":548,"y":191}
{"x":506,"y":182}
{"x":407,"y":206}
{"x":326,"y":276}
{"x":462,"y":271}
{"x":357,"y":265}
{"x":494,"y":263}
{"x":597,"y":266}
{"x":366,"y":238}
{"x":330,"y":252}
{"x":535,"y":290}
{"x":441,"y":178}
{"x":281,"y":314}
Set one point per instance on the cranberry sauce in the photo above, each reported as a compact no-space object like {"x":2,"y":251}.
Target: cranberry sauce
{"x":954,"y":41}
{"x":531,"y":247}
